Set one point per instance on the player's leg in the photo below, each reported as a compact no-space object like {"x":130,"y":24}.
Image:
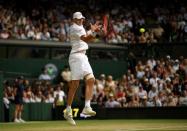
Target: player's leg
{"x":75,"y":67}
{"x":89,"y":81}
{"x":72,"y":90}
{"x":71,"y":93}
{"x":20,"y":113}
{"x":16,"y":113}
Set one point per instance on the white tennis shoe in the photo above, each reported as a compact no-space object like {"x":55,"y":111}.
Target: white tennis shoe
{"x":21,"y":120}
{"x":16,"y":120}
{"x":88,"y":111}
{"x":69,"y":117}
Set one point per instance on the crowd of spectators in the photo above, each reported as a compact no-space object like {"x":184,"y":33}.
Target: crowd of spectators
{"x":41,"y":89}
{"x":36,"y":92}
{"x":150,"y":83}
{"x":144,"y":22}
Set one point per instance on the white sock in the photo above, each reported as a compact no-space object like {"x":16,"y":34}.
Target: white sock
{"x":68,"y":108}
{"x":87,"y":103}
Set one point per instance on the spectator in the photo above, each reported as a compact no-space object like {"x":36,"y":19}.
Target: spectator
{"x":59,"y":96}
{"x":120,"y":96}
{"x":142,"y":93}
{"x":4,"y":34}
{"x":28,"y":96}
{"x":134,"y":101}
{"x":171,"y":101}
{"x":144,"y":102}
{"x":39,"y":97}
{"x":162,"y":98}
{"x":49,"y":98}
{"x":153,"y":80}
{"x":44,"y":75}
{"x":31,"y":33}
{"x":157,"y":102}
{"x":38,"y":33}
{"x":112,"y":103}
{"x":102,"y":79}
{"x":45,"y":34}
{"x":6,"y":103}
{"x":110,"y":82}
{"x":66,"y":74}
{"x":152,"y":93}
{"x":183,"y":99}
{"x":101,"y":100}
{"x":65,"y":77}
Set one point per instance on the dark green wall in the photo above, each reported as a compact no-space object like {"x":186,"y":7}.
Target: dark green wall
{"x":32,"y":67}
{"x":1,"y":98}
{"x":34,"y":111}
{"x":179,"y":112}
{"x":108,"y":67}
{"x":43,"y":111}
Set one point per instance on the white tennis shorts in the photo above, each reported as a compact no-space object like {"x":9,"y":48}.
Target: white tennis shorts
{"x":79,"y":66}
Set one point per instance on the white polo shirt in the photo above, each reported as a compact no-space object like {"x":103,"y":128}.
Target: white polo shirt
{"x":78,"y":62}
{"x":76,"y":31}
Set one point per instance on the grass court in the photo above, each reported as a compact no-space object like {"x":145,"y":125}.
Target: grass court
{"x":99,"y":125}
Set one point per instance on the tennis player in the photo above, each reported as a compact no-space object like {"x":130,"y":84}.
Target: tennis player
{"x":79,"y":64}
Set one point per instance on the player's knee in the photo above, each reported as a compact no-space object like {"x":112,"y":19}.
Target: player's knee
{"x":90,"y":77}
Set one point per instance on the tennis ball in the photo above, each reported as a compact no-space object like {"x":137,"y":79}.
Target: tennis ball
{"x":142,"y":30}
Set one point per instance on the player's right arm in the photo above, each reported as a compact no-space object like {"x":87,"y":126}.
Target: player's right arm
{"x":87,"y":38}
{"x":90,"y":35}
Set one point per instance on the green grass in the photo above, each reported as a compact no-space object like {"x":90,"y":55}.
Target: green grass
{"x":99,"y":125}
